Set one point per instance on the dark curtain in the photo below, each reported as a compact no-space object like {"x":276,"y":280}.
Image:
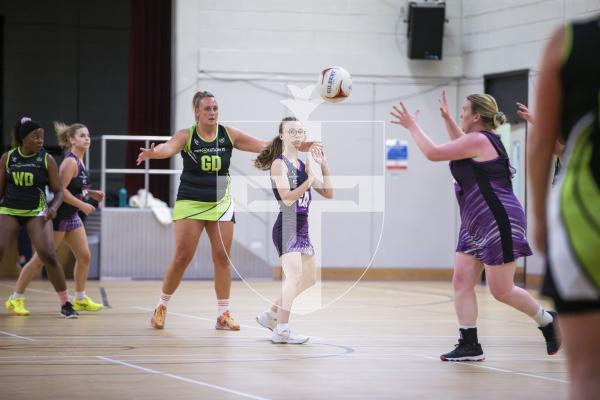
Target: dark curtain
{"x":149,"y":102}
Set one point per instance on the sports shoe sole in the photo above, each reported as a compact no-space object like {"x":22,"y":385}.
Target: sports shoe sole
{"x":286,"y":342}
{"x":68,"y":316}
{"x":16,"y":314}
{"x":220,"y":327}
{"x":156,"y":326}
{"x":87,"y":309}
{"x":264,"y":325}
{"x":13,"y":312}
{"x":459,"y":359}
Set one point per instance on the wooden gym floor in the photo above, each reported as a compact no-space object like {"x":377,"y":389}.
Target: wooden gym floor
{"x":382,"y":340}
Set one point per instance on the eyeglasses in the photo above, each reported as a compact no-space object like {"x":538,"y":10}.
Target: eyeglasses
{"x":296,"y":133}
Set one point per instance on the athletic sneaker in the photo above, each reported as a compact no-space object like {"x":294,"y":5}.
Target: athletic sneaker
{"x":226,"y":322}
{"x":86,"y":304}
{"x":549,"y":332}
{"x":16,"y":306}
{"x":464,"y":352}
{"x":158,"y":319}
{"x":266,"y":319}
{"x":68,"y":312}
{"x":286,"y":336}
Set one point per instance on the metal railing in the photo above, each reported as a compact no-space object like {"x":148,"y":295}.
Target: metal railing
{"x":146,"y":171}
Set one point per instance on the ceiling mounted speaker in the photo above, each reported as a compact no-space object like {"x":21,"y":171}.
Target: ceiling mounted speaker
{"x":425,"y":30}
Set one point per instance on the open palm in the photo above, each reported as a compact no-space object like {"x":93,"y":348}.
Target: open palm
{"x":404,"y":117}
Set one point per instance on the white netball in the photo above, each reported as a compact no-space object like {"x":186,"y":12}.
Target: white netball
{"x":335,"y":84}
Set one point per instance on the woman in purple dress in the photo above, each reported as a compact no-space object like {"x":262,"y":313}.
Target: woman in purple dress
{"x":292,"y":180}
{"x":493,"y":225}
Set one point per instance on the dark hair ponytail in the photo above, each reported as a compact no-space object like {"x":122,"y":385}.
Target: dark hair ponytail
{"x":274,"y":149}
{"x":269,"y":154}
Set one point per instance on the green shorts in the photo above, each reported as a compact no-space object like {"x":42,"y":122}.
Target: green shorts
{"x":205,"y":211}
{"x":15,"y":212}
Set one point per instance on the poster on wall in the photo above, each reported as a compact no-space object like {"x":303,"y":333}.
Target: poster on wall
{"x":396,"y":158}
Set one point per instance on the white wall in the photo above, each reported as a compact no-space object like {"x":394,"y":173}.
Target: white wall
{"x":246,"y":52}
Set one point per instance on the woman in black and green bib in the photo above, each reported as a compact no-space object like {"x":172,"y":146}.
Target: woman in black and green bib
{"x":203,"y":201}
{"x":25,"y":171}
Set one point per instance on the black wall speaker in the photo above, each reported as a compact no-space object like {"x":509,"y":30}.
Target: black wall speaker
{"x":425,"y":30}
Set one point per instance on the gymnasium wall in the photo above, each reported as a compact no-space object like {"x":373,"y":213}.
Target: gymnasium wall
{"x":248,"y":52}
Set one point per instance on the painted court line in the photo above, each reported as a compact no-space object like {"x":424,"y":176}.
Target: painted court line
{"x":180,"y":378}
{"x":17,"y":336}
{"x":28,"y":289}
{"x":508,"y":371}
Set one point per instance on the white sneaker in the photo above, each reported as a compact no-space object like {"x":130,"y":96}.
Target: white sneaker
{"x":267,"y":319}
{"x":287,"y":337}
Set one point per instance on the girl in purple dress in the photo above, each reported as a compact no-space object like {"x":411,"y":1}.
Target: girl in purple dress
{"x":292,"y":180}
{"x":493,"y":225}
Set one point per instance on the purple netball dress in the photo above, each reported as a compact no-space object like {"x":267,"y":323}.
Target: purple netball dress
{"x":67,"y":217}
{"x":290,"y":232}
{"x":493,"y":225}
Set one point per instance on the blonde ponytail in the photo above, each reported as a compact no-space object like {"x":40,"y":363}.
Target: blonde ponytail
{"x":65,"y":132}
{"x":486,"y":106}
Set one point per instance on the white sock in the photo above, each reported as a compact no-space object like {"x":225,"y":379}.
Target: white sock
{"x":222,"y":306}
{"x":467,"y":327}
{"x":18,"y":295}
{"x":80,"y":295}
{"x":271,"y":313}
{"x":282,"y":327}
{"x":164,"y":299}
{"x":543,"y":317}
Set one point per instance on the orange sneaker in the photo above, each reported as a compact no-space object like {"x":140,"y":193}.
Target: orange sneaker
{"x":226,"y":322}
{"x":158,"y":319}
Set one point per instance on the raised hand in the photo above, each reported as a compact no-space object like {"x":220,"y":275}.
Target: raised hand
{"x":404,"y":117}
{"x":443,"y":100}
{"x":307,"y":146}
{"x":145,"y":154}
{"x":318,"y":153}
{"x":524,"y":113}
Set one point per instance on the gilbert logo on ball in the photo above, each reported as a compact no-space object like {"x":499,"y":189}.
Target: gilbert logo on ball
{"x":335,"y":84}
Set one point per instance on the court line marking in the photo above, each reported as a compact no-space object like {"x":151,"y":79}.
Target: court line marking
{"x":180,"y":378}
{"x":104,"y":297}
{"x":17,"y":336}
{"x":29,"y":289}
{"x":508,"y":371}
{"x":210,"y":319}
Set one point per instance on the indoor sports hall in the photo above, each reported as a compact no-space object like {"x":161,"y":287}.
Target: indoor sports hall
{"x":341,"y":199}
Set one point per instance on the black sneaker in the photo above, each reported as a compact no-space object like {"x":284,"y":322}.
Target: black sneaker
{"x":549,"y":332}
{"x":464,"y":352}
{"x":67,"y":311}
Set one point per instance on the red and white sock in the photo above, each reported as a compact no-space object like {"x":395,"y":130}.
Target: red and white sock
{"x":222,"y":305}
{"x":163,"y":300}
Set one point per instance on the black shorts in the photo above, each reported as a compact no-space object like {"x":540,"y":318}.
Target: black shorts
{"x":565,"y":306}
